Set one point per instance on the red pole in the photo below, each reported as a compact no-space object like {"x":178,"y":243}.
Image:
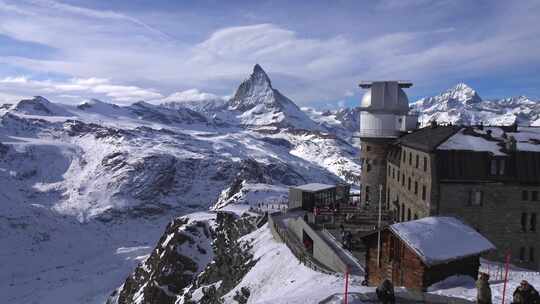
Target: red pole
{"x":347,"y":285}
{"x":506,"y":274}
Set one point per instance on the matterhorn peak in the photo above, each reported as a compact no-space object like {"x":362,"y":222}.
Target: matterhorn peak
{"x":255,"y":90}
{"x":462,"y":93}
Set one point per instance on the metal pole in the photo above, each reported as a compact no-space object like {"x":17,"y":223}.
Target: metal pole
{"x":347,"y":285}
{"x":379,"y":228}
{"x":506,"y":275}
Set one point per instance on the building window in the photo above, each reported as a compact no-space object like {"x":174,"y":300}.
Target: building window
{"x":423,"y":192}
{"x":397,"y":213}
{"x":403,"y":154}
{"x":476,"y":198}
{"x":410,"y":158}
{"x":501,"y":166}
{"x":417,"y":161}
{"x":531,"y":254}
{"x":493,"y":170}
{"x":534,"y":195}
{"x":388,"y":199}
{"x":408,"y":214}
{"x":389,"y":171}
{"x":415,"y":187}
{"x":368,"y":167}
{"x":524,"y":195}
{"x":522,"y":253}
{"x":402,"y":212}
{"x":368,"y":148}
{"x":403,"y":179}
{"x":367,"y":193}
{"x":425,"y":164}
{"x":393,"y":173}
{"x":523,"y":221}
{"x":409,"y":184}
{"x":415,"y":216}
{"x":398,"y":173}
{"x":533,"y":222}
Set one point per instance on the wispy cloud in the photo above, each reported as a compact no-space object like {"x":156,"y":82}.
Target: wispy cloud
{"x":136,"y":60}
{"x":79,"y":87}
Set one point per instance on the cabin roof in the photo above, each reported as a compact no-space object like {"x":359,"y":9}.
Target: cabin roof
{"x":314,"y":187}
{"x":429,"y":138}
{"x":438,"y":240}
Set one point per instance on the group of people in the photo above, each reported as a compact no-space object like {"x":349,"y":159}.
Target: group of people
{"x":525,"y":293}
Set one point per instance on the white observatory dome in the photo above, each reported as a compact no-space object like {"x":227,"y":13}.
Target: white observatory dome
{"x":386,"y":100}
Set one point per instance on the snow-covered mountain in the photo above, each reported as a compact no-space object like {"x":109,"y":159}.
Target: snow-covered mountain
{"x":462,"y":105}
{"x":87,"y":189}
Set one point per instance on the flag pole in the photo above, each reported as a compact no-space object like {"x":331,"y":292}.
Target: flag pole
{"x":379,"y":227}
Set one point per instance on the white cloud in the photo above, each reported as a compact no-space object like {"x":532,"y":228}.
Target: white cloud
{"x":95,"y":45}
{"x":190,"y":95}
{"x":91,"y":87}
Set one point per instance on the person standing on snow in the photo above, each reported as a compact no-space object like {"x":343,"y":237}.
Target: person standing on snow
{"x":385,"y":292}
{"x":526,"y":294}
{"x":483,"y":295}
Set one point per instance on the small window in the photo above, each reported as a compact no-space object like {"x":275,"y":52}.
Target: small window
{"x":501,"y":166}
{"x":415,"y":187}
{"x":533,"y":222}
{"x":476,"y":198}
{"x":402,"y":212}
{"x":389,"y":172}
{"x":531,"y":254}
{"x":367,"y":193}
{"x":368,"y":148}
{"x":524,"y":195}
{"x":409,"y":184}
{"x":415,"y":216}
{"x":368,"y":167}
{"x":408,"y":214}
{"x":403,"y":154}
{"x":410,"y":158}
{"x":522,"y":254}
{"x":393,"y":173}
{"x":417,"y":161}
{"x":403,"y":179}
{"x":398,"y":176}
{"x":534,"y":195}
{"x":425,"y":164}
{"x":424,"y":192}
{"x":523,"y":221}
{"x":493,"y":168}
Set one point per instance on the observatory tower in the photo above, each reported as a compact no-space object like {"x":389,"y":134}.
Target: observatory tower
{"x":383,"y":118}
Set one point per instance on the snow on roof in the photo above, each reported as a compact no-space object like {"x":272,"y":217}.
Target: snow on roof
{"x":314,"y":187}
{"x":440,"y":239}
{"x":527,"y":139}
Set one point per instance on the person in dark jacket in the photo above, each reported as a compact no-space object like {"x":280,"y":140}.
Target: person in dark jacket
{"x":483,"y":295}
{"x":385,"y":292}
{"x":526,"y":294}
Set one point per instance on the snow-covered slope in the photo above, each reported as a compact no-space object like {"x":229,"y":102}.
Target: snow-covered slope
{"x":463,"y":105}
{"x":96,"y":175}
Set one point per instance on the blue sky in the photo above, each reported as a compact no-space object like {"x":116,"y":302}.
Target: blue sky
{"x":314,"y":51}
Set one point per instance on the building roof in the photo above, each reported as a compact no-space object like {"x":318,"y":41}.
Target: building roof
{"x":314,"y":187}
{"x":492,"y":139}
{"x":386,"y":96}
{"x":438,"y":240}
{"x":429,"y":138}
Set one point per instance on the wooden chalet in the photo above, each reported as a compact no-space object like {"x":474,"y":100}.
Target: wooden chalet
{"x":417,"y":254}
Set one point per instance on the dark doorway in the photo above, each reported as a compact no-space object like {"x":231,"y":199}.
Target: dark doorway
{"x":308,"y":242}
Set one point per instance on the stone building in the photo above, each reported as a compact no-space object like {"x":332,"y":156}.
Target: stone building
{"x":383,"y":118}
{"x":488,"y":177}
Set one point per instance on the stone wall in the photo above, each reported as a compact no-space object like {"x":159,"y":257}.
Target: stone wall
{"x":397,"y":184}
{"x":373,"y":156}
{"x":498,"y":218}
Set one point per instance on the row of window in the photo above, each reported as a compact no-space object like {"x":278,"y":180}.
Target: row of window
{"x":416,"y":158}
{"x":528,"y":221}
{"x":400,"y":214}
{"x":523,"y":254}
{"x":529,"y":195}
{"x":392,"y":174}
